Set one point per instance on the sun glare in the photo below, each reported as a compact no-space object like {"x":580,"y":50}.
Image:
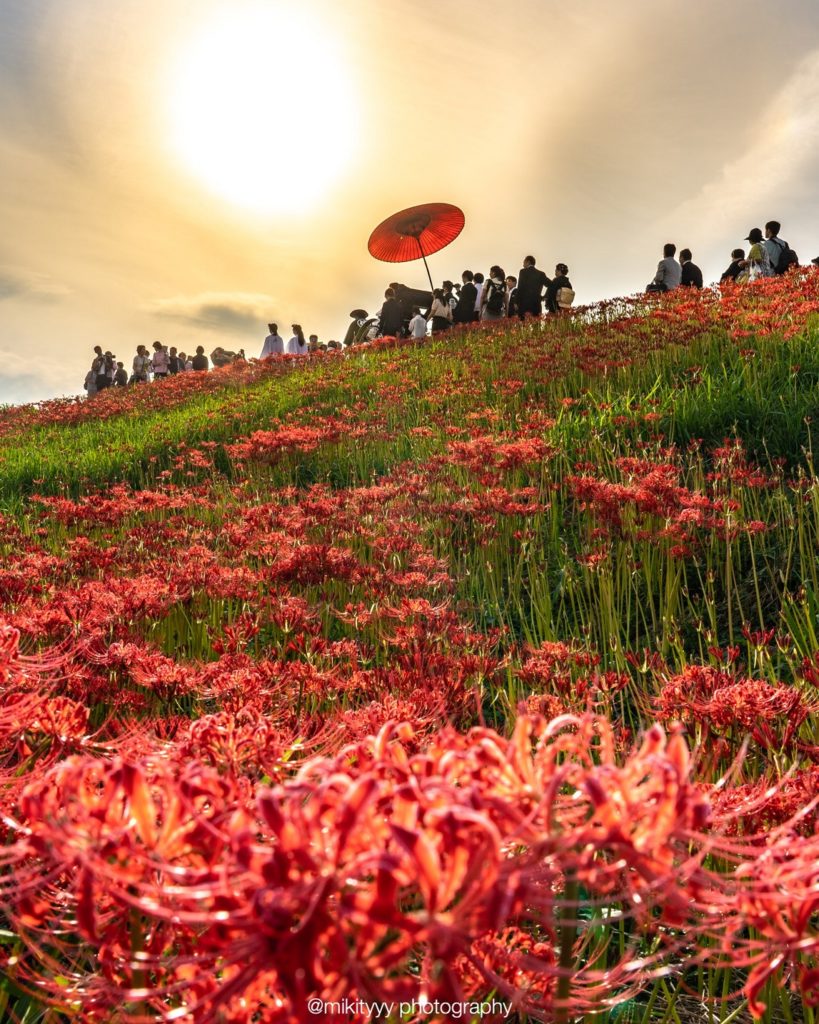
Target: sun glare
{"x":263,"y":109}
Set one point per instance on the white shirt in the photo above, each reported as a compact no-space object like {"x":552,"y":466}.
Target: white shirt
{"x":479,"y":296}
{"x":295,"y":348}
{"x":418,"y":326}
{"x":273,"y":346}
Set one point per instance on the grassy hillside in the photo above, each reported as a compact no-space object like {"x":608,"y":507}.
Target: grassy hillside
{"x":483,"y":667}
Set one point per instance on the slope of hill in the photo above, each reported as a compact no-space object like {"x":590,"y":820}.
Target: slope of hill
{"x":460,"y":677}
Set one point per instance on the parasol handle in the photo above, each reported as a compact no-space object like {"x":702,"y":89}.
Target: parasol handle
{"x":423,"y":257}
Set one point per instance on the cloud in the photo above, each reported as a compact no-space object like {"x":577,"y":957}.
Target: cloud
{"x":28,"y":379}
{"x":24,"y":284}
{"x":779,"y":161}
{"x":217,"y":311}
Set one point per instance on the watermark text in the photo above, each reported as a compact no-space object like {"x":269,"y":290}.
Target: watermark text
{"x":378,"y":1011}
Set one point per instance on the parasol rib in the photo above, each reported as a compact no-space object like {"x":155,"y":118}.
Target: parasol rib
{"x":426,"y":265}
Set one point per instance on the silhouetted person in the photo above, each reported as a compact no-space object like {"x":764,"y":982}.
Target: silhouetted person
{"x":531,"y":283}
{"x":401,"y":294}
{"x":440,"y":312}
{"x":160,"y":361}
{"x":512,"y":296}
{"x":103,"y":368}
{"x":141,"y":365}
{"x":735,"y":267}
{"x":450,"y":298}
{"x":121,"y":376}
{"x":465,"y":306}
{"x":691,"y":274}
{"x":391,"y":317}
{"x":200,"y":360}
{"x":493,"y":301}
{"x":556,"y":286}
{"x":222,"y":356}
{"x":359,"y":326}
{"x":478,"y":281}
{"x":98,"y":368}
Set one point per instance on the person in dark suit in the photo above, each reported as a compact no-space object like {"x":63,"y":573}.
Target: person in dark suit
{"x":691,"y":273}
{"x":402,"y":297}
{"x":512,"y":296}
{"x":531,"y":283}
{"x":391,"y":318}
{"x":464,"y":311}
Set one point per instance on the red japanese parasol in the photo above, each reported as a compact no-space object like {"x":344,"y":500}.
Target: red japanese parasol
{"x":416,"y":233}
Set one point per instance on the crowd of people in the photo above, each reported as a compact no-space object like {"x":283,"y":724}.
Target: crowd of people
{"x":275,"y":345}
{"x":408,"y":312}
{"x":478,"y":298}
{"x":768,"y":255}
{"x":107,"y":372}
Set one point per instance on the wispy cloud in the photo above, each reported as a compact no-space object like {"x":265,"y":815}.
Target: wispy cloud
{"x":217,"y":311}
{"x":777,"y":165}
{"x":25,"y":284}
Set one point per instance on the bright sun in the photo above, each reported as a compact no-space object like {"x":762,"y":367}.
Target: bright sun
{"x":263,"y":109}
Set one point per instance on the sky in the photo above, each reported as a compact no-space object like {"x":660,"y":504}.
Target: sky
{"x":191,"y":171}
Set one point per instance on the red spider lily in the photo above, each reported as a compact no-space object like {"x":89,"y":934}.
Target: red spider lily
{"x":443,"y":850}
{"x":719,"y":700}
{"x":224,"y":831}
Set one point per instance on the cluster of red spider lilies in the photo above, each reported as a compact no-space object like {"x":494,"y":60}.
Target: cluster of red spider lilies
{"x":475,"y":678}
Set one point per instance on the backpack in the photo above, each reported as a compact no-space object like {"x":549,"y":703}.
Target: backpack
{"x":494,"y":303}
{"x":787,"y":258}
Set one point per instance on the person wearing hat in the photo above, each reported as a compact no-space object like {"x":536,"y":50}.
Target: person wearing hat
{"x":757,"y":263}
{"x":357,"y":331}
